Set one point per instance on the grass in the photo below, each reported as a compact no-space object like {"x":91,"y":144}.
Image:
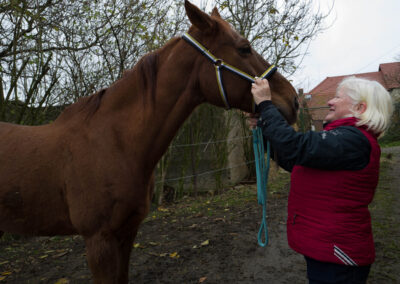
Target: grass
{"x":385,"y":226}
{"x":236,"y":196}
{"x":390,"y":144}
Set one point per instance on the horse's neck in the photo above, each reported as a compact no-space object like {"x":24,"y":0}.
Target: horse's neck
{"x":153,"y":125}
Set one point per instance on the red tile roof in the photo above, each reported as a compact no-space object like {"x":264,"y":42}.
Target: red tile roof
{"x":388,"y":75}
{"x":391,"y":74}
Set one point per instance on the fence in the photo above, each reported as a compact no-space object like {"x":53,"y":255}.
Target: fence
{"x":198,"y":159}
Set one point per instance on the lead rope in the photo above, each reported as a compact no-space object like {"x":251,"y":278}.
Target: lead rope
{"x":262,"y":171}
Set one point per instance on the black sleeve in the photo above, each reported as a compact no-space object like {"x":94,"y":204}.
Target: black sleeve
{"x":343,"y":148}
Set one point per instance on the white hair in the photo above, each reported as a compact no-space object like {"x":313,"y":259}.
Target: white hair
{"x":378,"y":101}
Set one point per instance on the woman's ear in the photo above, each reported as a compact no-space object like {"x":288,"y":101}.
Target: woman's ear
{"x":361,"y":107}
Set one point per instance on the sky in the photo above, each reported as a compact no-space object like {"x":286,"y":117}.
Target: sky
{"x":361,"y":35}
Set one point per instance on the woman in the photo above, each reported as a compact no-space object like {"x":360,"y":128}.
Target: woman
{"x":334,"y":174}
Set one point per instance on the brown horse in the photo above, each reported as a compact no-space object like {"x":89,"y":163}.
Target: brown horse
{"x":91,"y":171}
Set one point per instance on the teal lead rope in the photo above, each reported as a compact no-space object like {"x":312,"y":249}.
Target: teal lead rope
{"x":262,"y":171}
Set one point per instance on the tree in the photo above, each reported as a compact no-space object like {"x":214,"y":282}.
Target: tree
{"x":34,"y":37}
{"x":49,"y":57}
{"x":128,"y":29}
{"x":278,"y":30}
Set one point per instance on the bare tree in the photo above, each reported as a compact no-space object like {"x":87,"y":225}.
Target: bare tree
{"x":34,"y":35}
{"x":278,"y":30}
{"x":52,"y":52}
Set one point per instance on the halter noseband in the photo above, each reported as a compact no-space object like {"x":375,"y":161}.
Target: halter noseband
{"x":220,"y":64}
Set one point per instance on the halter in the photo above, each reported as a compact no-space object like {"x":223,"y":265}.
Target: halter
{"x":220,"y":64}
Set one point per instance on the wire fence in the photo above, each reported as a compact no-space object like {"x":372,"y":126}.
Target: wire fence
{"x":206,"y":172}
{"x":210,"y":142}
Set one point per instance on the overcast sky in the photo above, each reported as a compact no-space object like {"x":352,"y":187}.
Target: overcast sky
{"x":363,"y":34}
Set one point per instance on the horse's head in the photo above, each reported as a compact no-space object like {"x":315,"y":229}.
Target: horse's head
{"x":225,"y":43}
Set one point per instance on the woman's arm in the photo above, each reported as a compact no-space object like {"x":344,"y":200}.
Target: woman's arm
{"x":344,"y":148}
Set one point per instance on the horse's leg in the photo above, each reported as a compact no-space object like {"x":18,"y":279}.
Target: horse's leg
{"x":125,"y":248}
{"x":128,"y":233}
{"x":102,"y":250}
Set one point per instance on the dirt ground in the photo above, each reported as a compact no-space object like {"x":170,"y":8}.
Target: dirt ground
{"x":210,"y":240}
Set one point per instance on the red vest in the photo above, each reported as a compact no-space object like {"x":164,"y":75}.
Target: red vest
{"x":328,"y":216}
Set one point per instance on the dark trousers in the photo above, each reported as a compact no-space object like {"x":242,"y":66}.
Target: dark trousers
{"x":319,"y":272}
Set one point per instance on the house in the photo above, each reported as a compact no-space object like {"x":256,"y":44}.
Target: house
{"x":317,"y":99}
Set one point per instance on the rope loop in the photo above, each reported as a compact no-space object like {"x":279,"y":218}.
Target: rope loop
{"x":262,"y":170}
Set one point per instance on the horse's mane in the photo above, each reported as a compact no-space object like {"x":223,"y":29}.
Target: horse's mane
{"x":89,"y":104}
{"x":145,"y":75}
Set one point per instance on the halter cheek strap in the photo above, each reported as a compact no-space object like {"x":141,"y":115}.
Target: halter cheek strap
{"x":219,"y":64}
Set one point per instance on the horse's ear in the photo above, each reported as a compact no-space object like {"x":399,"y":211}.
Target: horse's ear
{"x":198,"y":18}
{"x":215,"y":13}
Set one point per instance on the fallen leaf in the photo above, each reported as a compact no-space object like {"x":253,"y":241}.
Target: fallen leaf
{"x":163,"y":254}
{"x":154,"y":243}
{"x":4,"y":262}
{"x":60,"y":254}
{"x":174,"y":255}
{"x":6,"y":273}
{"x":202,"y":279}
{"x":138,"y":245}
{"x":2,"y":278}
{"x":62,"y":281}
{"x":43,"y":256}
{"x":162,"y":209}
{"x":219,"y":219}
{"x":205,"y":243}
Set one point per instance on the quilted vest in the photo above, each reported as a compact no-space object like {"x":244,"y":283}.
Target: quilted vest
{"x":328,"y":216}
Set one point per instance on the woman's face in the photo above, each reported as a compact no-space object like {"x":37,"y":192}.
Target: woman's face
{"x":340,"y":106}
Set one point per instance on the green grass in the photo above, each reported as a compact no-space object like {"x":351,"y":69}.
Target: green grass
{"x":385,"y":226}
{"x":236,"y":197}
{"x":390,"y":144}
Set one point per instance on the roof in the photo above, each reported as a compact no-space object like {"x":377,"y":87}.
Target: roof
{"x":391,"y":74}
{"x":388,"y":76}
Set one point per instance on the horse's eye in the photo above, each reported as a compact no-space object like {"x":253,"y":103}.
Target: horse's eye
{"x":245,"y":50}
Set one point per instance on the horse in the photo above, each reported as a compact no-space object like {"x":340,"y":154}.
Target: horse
{"x":90,"y":172}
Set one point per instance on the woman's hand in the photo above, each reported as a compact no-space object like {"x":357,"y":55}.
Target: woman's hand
{"x":252,"y":119}
{"x":261,"y":91}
